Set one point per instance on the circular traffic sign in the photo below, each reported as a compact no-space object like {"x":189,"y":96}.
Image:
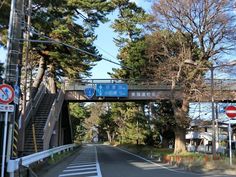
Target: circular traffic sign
{"x":230,"y":111}
{"x":6,"y":94}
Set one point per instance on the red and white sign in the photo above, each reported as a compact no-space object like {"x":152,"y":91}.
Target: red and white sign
{"x":230,"y":111}
{"x":6,"y":94}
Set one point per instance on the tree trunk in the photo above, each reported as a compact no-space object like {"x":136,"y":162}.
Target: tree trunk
{"x":51,"y":79}
{"x":180,"y":140}
{"x":182,"y":122}
{"x":109,"y":136}
{"x":165,"y":142}
{"x":39,"y":77}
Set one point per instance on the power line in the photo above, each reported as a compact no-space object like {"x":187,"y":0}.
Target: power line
{"x":86,"y":19}
{"x":65,"y":44}
{"x":50,"y":40}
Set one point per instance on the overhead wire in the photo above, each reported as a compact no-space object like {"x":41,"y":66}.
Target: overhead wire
{"x":76,"y":48}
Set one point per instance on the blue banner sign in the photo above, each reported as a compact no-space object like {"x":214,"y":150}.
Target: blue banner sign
{"x":112,"y":90}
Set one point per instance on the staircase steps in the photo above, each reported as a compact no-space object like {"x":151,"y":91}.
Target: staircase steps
{"x":39,"y":121}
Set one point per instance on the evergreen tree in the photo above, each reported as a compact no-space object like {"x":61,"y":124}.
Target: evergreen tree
{"x":78,"y":114}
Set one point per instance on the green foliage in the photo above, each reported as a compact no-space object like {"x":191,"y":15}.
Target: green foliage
{"x":78,"y":114}
{"x":60,"y":23}
{"x":133,"y":56}
{"x":131,"y":123}
{"x":129,"y":22}
{"x":69,"y":22}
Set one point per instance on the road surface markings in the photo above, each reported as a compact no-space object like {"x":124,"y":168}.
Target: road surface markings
{"x":85,"y":165}
{"x":151,"y":162}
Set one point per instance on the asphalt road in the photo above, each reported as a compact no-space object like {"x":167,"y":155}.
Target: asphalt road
{"x":107,"y":161}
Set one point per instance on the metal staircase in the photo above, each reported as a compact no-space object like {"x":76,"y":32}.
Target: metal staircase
{"x":34,"y":141}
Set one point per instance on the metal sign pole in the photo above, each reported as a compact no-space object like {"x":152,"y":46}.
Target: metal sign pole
{"x":4,"y":144}
{"x":230,"y":144}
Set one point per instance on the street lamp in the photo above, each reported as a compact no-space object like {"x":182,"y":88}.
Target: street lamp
{"x":212,"y":68}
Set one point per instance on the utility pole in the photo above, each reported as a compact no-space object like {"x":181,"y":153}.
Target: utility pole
{"x":14,"y":46}
{"x":13,"y":61}
{"x":27,"y":48}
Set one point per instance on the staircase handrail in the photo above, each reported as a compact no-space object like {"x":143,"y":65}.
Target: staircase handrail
{"x":14,"y":165}
{"x":33,"y":104}
{"x":52,"y":118}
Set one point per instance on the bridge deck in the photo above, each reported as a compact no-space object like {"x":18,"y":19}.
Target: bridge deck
{"x":224,"y":90}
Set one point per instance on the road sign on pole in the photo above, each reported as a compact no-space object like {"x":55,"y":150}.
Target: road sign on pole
{"x":6,"y":94}
{"x":7,"y":108}
{"x":230,"y":111}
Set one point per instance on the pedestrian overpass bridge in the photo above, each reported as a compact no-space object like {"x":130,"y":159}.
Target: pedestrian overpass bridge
{"x":47,"y":122}
{"x":224,"y":90}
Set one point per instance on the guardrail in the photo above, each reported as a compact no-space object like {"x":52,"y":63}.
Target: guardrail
{"x":14,"y":165}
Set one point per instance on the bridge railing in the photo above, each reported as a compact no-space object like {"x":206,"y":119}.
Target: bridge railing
{"x":52,"y":118}
{"x":79,"y":84}
{"x":14,"y":165}
{"x":34,"y":103}
{"x":222,"y":84}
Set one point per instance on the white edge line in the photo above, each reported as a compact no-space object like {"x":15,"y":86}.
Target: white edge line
{"x":156,"y":163}
{"x":99,"y":174}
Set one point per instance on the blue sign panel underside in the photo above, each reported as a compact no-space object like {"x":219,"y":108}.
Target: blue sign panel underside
{"x":112,"y":90}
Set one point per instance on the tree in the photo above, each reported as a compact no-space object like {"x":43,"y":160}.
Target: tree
{"x":129,"y":22}
{"x":78,"y":114}
{"x":107,"y":126}
{"x":164,"y":122}
{"x":206,"y":30}
{"x":130,"y":122}
{"x":72,"y":28}
{"x":69,"y":25}
{"x":129,"y":26}
{"x":96,"y":110}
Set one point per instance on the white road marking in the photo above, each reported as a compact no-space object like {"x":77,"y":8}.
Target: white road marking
{"x":80,"y":169}
{"x":85,"y":165}
{"x":149,"y":161}
{"x":82,"y":173}
{"x":79,"y":166}
{"x":97,"y":164}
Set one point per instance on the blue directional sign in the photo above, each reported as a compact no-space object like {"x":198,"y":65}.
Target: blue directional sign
{"x":112,"y":90}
